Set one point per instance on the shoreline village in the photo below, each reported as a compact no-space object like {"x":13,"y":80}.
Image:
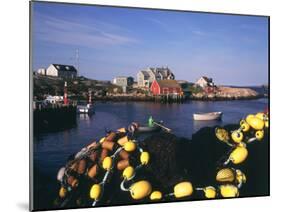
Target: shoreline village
{"x":152,"y":84}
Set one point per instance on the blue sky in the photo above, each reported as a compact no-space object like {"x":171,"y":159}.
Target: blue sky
{"x":231,"y":49}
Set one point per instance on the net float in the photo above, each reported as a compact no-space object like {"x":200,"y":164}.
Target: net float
{"x":111,"y":136}
{"x":155,"y":195}
{"x":144,"y":158}
{"x":210,"y":192}
{"x":238,"y":155}
{"x":107,"y":163}
{"x":237,"y":136}
{"x":123,"y":140}
{"x":62,"y":192}
{"x":60,"y":174}
{"x":109,"y":145}
{"x":266,"y":124}
{"x":93,"y":171}
{"x":244,"y":126}
{"x":259,"y":135}
{"x":225,"y":175}
{"x":123,"y":154}
{"x":122,"y":164}
{"x":95,"y":191}
{"x":122,"y":130}
{"x":74,"y":167}
{"x":262,"y":116}
{"x":240,"y":176}
{"x":249,"y":117}
{"x":256,"y":123}
{"x":72,"y":181}
{"x":140,"y":189}
{"x":128,"y":173}
{"x":130,"y":146}
{"x":81,"y":166}
{"x":229,"y":190}
{"x":102,"y":140}
{"x":104,"y":153}
{"x":183,"y":189}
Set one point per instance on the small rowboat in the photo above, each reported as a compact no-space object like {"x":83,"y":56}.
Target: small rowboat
{"x":207,"y":116}
{"x":147,"y":129}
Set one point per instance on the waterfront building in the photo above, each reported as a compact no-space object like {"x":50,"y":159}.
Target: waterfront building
{"x":123,"y":82}
{"x":205,"y":82}
{"x":59,"y":70}
{"x":41,"y":71}
{"x":162,"y":87}
{"x":147,"y":76}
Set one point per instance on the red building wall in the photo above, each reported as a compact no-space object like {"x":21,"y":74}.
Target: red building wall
{"x":157,"y":90}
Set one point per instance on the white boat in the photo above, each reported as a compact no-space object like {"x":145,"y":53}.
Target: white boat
{"x":207,"y":116}
{"x":89,"y":108}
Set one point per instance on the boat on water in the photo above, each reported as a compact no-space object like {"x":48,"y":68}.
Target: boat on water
{"x":207,"y":116}
{"x":87,"y":109}
{"x":147,"y":129}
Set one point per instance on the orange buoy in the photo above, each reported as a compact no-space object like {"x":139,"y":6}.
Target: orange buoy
{"x":72,"y":181}
{"x":81,"y":166}
{"x":111,"y":137}
{"x":122,"y":164}
{"x":124,"y":154}
{"x":93,"y":171}
{"x":104,"y":153}
{"x":109,"y":145}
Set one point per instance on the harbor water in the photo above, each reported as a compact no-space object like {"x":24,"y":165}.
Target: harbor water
{"x":51,"y":149}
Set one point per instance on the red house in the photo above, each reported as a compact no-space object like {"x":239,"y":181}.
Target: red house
{"x":159,"y":87}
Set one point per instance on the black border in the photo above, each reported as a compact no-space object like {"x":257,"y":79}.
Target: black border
{"x":31,"y":192}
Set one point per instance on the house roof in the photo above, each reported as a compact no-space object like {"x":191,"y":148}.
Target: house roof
{"x":61,"y":67}
{"x":207,"y":79}
{"x":145,"y":73}
{"x":168,"y":83}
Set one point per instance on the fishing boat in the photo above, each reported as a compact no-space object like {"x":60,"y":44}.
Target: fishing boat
{"x":207,"y":116}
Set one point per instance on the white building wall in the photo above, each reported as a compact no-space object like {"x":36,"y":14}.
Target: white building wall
{"x":52,"y":71}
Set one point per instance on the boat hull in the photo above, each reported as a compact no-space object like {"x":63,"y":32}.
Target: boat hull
{"x":207,"y":116}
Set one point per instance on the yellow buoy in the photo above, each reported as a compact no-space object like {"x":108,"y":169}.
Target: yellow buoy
{"x":129,"y":146}
{"x":102,"y":140}
{"x":238,"y":155}
{"x":107,"y":163}
{"x":140,"y":189}
{"x":256,"y":123}
{"x":155,"y":195}
{"x":123,"y":140}
{"x":62,"y":192}
{"x":183,"y":189}
{"x":128,"y":172}
{"x":249,"y":117}
{"x":261,"y":116}
{"x":122,"y":130}
{"x":245,"y":127}
{"x":229,"y":190}
{"x":95,"y":191}
{"x":259,"y":134}
{"x":222,"y":134}
{"x":237,"y":136}
{"x":225,"y":175}
{"x":240,"y":176}
{"x":144,"y":158}
{"x":266,"y":124}
{"x":210,"y":192}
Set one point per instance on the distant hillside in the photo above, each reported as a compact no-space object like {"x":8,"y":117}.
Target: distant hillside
{"x":78,"y":88}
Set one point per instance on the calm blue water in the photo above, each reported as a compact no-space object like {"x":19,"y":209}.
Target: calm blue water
{"x":52,"y":149}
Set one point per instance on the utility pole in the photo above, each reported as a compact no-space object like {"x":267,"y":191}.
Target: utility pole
{"x":77,"y":61}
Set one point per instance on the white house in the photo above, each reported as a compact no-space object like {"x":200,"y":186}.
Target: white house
{"x":41,"y":71}
{"x":59,"y":70}
{"x":147,"y":76}
{"x":205,"y":82}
